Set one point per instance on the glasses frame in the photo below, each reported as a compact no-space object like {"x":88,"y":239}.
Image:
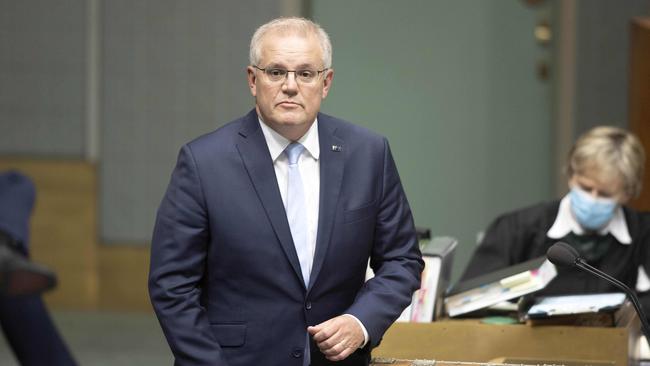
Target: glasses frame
{"x":286,"y":76}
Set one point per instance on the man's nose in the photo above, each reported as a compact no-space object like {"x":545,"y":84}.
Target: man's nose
{"x":290,"y":85}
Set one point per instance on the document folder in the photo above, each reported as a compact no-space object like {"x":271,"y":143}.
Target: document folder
{"x":494,"y":287}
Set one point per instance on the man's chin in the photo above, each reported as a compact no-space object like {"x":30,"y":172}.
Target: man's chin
{"x":292,"y":119}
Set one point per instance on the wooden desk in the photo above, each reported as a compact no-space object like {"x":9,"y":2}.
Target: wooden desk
{"x":470,"y":340}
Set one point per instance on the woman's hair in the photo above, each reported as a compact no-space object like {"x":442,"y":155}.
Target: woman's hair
{"x":612,"y":153}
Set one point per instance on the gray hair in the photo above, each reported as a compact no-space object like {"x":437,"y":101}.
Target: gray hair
{"x":291,"y":25}
{"x":614,"y":153}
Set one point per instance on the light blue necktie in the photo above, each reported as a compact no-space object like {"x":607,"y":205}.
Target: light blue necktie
{"x":297,"y":217}
{"x":297,"y":210}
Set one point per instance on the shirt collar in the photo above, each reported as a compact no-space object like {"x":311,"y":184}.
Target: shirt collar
{"x":277,"y":143}
{"x":566,"y":223}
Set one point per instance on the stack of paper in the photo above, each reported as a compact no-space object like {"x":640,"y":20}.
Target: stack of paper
{"x":426,"y":304}
{"x":505,"y":284}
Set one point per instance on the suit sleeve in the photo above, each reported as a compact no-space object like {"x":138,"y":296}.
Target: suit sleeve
{"x":395,"y":259}
{"x":178,"y":256}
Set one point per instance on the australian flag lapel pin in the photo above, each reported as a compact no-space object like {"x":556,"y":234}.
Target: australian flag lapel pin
{"x":336,"y":148}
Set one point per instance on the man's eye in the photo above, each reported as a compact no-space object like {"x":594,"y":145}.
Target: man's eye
{"x":307,"y":74}
{"x":277,"y":72}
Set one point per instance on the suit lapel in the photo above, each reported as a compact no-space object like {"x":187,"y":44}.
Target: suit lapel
{"x":254,"y":153}
{"x":332,"y":162}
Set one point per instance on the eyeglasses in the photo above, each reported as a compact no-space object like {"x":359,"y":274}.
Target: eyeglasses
{"x":305,"y":76}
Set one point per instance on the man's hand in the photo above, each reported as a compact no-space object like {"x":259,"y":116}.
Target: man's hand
{"x":338,"y":337}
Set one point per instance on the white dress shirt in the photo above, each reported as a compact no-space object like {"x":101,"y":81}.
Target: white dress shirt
{"x":309,"y":166}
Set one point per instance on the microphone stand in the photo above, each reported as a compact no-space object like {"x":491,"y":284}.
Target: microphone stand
{"x":645,"y":327}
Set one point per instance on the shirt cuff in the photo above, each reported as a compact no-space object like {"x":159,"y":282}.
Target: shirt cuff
{"x":365,"y":332}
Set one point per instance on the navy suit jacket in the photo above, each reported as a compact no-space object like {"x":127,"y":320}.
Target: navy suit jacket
{"x":225,"y":280}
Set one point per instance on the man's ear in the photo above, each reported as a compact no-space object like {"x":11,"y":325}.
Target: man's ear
{"x":250,"y":75}
{"x":327,"y":81}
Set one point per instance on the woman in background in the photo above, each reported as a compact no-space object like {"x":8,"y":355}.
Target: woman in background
{"x":605,"y":171}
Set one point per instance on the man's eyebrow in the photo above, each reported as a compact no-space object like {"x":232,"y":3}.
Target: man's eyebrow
{"x":305,"y":66}
{"x":277,"y":65}
{"x":274,"y":65}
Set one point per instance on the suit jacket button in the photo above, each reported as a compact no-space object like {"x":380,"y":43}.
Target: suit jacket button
{"x":297,"y":353}
{"x":308,"y":305}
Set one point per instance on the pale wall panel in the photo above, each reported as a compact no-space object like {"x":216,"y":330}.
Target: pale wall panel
{"x":42,"y":77}
{"x":172,"y":70}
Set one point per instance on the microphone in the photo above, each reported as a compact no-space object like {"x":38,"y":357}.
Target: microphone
{"x":564,"y":255}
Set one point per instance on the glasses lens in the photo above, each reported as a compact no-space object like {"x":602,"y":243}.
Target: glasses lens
{"x":276,"y":74}
{"x":306,"y":76}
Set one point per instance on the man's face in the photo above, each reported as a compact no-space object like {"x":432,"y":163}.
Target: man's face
{"x":289,"y":106}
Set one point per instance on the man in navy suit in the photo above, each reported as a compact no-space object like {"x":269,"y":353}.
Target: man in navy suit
{"x":261,"y":242}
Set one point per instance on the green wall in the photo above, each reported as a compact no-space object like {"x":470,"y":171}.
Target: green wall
{"x":452,"y":84}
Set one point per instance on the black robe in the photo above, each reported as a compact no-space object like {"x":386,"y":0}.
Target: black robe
{"x":521,"y":235}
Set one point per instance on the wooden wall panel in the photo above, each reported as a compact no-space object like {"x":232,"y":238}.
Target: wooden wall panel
{"x":64,"y":237}
{"x":640,"y":97}
{"x":123,"y":271}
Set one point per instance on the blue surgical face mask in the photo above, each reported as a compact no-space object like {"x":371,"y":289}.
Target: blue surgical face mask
{"x":592,"y":213}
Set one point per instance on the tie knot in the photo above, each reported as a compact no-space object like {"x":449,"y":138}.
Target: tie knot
{"x":293,"y":152}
